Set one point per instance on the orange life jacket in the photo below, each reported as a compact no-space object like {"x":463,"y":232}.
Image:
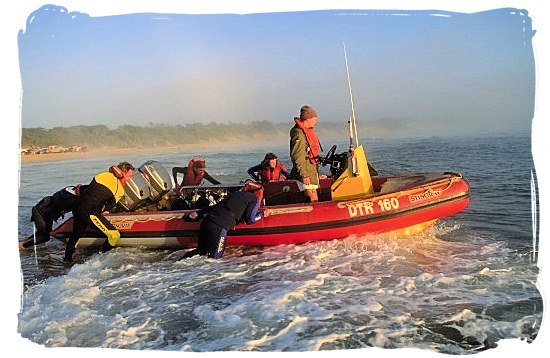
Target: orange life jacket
{"x":271,"y":174}
{"x":190,"y":177}
{"x":312,"y":141}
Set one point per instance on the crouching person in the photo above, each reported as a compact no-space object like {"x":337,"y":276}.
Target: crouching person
{"x":49,"y":209}
{"x":239,"y":206}
{"x":101,"y":195}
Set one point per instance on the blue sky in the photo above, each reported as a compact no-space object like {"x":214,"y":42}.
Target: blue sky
{"x":446,"y":71}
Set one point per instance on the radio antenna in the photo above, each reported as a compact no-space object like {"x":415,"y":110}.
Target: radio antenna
{"x":353,"y":125}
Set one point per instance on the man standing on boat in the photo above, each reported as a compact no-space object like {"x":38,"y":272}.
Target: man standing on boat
{"x":304,"y":151}
{"x":101,"y":195}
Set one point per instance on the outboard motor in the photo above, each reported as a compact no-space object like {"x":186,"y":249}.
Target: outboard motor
{"x":136,"y":193}
{"x":158,"y":178}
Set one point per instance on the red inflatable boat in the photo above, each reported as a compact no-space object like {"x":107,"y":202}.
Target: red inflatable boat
{"x":355,"y":203}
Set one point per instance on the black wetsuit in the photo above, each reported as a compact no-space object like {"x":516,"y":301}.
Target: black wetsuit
{"x":239,"y":206}
{"x":102,"y":194}
{"x":48,"y":210}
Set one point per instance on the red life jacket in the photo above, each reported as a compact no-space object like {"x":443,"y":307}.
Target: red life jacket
{"x":269,"y":174}
{"x":312,"y":141}
{"x":190,"y":177}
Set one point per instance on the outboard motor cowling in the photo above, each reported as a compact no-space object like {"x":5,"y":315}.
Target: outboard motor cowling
{"x":136,"y":193}
{"x":160,"y":182}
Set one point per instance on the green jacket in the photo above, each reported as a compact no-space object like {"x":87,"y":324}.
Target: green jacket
{"x":301,"y":166}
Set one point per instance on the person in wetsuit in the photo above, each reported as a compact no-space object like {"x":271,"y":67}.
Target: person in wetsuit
{"x":239,"y":206}
{"x":270,"y":169}
{"x":101,"y":195}
{"x":49,"y":209}
{"x":193,"y":174}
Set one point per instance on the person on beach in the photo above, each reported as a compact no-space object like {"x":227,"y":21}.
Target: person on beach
{"x":49,"y":209}
{"x":194,"y":174}
{"x":100,"y":196}
{"x":240,"y":206}
{"x":304,"y":151}
{"x":270,"y":169}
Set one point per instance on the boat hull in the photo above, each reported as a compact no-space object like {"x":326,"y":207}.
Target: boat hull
{"x":401,"y":204}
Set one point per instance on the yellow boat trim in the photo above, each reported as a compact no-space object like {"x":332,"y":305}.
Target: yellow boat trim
{"x":112,"y":235}
{"x":413,"y":230}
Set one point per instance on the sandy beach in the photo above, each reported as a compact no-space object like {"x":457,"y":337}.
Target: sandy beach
{"x":122,"y":152}
{"x":55,"y":157}
{"x":99,"y":152}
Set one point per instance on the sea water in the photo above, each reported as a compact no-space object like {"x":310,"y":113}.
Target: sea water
{"x":457,"y":288}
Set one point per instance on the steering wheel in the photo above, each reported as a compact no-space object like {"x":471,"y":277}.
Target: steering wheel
{"x":329,"y":158}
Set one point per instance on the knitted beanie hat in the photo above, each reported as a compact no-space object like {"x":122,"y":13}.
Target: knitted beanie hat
{"x":307,"y":112}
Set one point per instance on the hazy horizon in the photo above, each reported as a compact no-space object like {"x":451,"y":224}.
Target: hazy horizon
{"x":446,"y":71}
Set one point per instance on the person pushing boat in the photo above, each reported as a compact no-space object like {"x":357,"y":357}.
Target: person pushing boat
{"x":101,"y":195}
{"x":240,"y":206}
{"x":49,"y":209}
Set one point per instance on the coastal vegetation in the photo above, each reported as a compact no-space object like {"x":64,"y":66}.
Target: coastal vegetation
{"x":163,"y":135}
{"x":158,"y":135}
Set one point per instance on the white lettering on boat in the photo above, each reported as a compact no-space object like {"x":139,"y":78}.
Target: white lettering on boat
{"x":221,"y":245}
{"x":361,"y":209}
{"x":430,"y":193}
{"x":388,"y":204}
